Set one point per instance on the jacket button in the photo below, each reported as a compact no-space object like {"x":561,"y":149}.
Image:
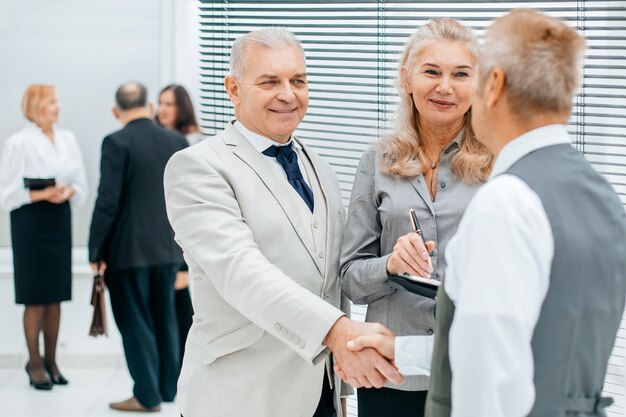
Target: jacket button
{"x":443,"y":185}
{"x":316,"y":224}
{"x":321,"y":254}
{"x":429,"y":332}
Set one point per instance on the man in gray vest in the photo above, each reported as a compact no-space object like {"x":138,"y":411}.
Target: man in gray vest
{"x":536,"y":277}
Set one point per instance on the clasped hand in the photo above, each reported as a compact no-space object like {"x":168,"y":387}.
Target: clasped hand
{"x":383,"y":343}
{"x":57,"y":194}
{"x":365,"y":367}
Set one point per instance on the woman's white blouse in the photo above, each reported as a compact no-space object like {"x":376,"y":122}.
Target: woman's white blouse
{"x":30,"y":154}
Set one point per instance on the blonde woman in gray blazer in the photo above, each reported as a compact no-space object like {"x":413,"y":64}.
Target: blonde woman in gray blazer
{"x":431,"y":163}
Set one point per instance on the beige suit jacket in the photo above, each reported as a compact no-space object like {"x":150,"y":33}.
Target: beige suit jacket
{"x":264,"y":276}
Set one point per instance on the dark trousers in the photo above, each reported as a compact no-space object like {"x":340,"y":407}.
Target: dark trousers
{"x":388,"y":402}
{"x":184,"y":317}
{"x":326,"y":407}
{"x":142,"y":300}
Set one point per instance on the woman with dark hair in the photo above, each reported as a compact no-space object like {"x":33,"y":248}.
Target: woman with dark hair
{"x":176,"y":112}
{"x":42,"y":177}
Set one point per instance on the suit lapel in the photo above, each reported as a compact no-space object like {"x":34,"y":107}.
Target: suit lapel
{"x":321,"y":173}
{"x":318,"y":168}
{"x":289,"y":201}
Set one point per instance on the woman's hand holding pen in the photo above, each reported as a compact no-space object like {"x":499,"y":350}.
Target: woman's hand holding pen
{"x":410,"y":256}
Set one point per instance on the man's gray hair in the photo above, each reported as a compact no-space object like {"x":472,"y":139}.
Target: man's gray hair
{"x":541,"y":57}
{"x":272,"y":37}
{"x":131,"y":95}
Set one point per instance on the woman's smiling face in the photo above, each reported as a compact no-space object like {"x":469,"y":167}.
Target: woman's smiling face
{"x":439,"y":82}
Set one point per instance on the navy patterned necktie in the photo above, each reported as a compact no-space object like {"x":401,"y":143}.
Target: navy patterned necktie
{"x":288,"y":159}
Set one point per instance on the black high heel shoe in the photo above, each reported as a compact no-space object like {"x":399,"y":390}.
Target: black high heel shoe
{"x":56,"y":379}
{"x":42,"y":385}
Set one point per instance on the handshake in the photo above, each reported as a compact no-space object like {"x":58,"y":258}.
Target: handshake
{"x":364,"y":353}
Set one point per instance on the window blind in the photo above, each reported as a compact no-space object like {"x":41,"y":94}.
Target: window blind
{"x":352,"y":49}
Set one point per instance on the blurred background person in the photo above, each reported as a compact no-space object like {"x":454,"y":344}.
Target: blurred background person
{"x":432,"y":163}
{"x":176,"y":112}
{"x":131,"y":239}
{"x":41,"y":171}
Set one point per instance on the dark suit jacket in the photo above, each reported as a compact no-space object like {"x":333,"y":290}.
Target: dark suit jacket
{"x":129,"y":227}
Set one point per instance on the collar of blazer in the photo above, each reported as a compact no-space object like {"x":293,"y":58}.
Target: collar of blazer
{"x":419,"y":183}
{"x":295,"y":209}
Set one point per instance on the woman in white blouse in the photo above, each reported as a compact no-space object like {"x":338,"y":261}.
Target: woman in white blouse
{"x":41,"y":172}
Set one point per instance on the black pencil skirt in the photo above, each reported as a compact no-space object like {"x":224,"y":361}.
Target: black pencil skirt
{"x":41,"y":235}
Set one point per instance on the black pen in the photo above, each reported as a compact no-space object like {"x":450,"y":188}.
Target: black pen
{"x":418,"y":230}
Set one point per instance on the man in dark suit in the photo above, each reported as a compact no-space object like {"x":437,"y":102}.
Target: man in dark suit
{"x":132,"y":239}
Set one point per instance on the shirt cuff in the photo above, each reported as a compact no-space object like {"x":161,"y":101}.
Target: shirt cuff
{"x":17,"y":199}
{"x":413,"y":354}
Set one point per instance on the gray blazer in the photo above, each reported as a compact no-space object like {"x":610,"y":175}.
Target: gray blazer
{"x":377,"y":217}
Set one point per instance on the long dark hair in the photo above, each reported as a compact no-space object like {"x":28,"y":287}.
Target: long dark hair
{"x":185,"y":116}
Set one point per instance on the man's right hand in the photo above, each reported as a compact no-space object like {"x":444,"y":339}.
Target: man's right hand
{"x":364,"y":368}
{"x":385,"y":344}
{"x":382,"y":342}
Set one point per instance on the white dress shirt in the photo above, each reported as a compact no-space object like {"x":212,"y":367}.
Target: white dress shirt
{"x":29,"y":153}
{"x":413,"y":354}
{"x":497,"y":276}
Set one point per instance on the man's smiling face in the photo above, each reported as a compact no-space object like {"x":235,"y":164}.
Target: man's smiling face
{"x":272,"y":96}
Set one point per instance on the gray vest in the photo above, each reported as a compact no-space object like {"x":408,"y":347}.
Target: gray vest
{"x":583,"y":308}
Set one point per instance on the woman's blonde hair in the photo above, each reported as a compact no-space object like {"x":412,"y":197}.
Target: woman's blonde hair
{"x":34,"y":99}
{"x":402,"y":149}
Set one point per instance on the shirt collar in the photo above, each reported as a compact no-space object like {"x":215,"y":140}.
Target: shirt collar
{"x":260,"y":142}
{"x":528,"y":142}
{"x":456,"y":142}
{"x":35,"y":127}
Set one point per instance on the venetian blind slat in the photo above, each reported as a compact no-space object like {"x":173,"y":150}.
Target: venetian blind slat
{"x":352,"y":49}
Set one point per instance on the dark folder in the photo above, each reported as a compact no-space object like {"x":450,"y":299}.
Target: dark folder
{"x":38,"y":183}
{"x":423,"y":286}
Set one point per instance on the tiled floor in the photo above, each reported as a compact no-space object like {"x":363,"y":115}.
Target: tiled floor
{"x":87,"y":395}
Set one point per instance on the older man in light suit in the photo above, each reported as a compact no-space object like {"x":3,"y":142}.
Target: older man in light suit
{"x":260,"y":219}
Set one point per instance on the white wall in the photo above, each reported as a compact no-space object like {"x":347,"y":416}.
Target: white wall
{"x":87,"y":48}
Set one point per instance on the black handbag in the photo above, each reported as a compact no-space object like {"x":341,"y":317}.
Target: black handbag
{"x":98,"y":321}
